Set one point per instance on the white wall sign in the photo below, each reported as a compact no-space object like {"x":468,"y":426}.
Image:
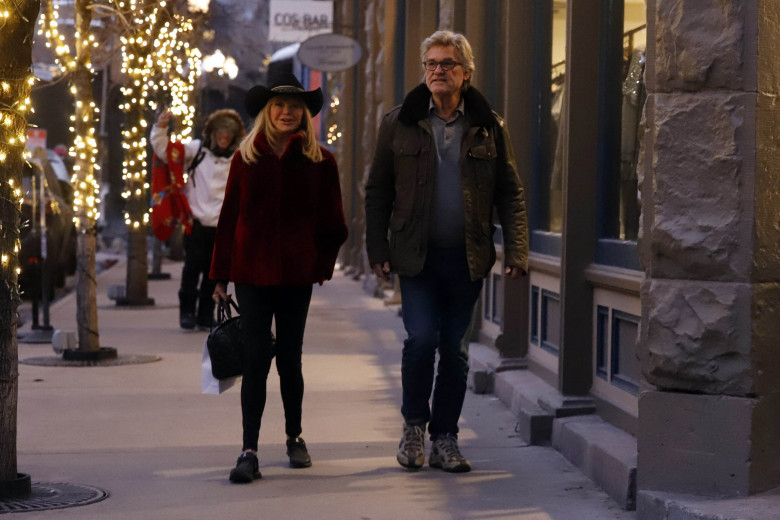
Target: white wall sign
{"x":329,"y":52}
{"x":297,"y":20}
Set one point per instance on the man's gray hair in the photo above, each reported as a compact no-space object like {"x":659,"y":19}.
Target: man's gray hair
{"x":459,"y":43}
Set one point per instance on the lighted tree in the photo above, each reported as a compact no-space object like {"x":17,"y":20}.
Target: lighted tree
{"x":158,"y":63}
{"x":17,"y":24}
{"x":77,"y":64}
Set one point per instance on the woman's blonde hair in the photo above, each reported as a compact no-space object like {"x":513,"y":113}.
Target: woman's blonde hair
{"x":311,"y":148}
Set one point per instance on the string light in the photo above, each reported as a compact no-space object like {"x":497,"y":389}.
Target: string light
{"x":15,"y":105}
{"x":84,"y":180}
{"x":333,"y":134}
{"x":160,"y":65}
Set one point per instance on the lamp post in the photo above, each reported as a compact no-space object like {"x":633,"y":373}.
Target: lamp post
{"x":221,"y":65}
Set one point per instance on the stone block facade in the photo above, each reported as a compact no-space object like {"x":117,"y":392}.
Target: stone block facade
{"x":697,"y":336}
{"x":709,"y":418}
{"x":702,"y":45}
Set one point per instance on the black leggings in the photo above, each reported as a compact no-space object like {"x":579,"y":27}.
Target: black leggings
{"x":288,"y":306}
{"x":198,"y":247}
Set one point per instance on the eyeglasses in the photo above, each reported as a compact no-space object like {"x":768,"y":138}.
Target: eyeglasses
{"x":446,"y":65}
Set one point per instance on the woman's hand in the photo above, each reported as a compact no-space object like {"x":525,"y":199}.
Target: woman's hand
{"x":220,"y":293}
{"x":164,"y":118}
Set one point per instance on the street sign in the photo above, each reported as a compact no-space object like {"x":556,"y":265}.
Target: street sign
{"x":329,"y":52}
{"x":296,"y":20}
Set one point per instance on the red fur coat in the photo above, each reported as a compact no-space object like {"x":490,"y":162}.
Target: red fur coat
{"x":282,"y":222}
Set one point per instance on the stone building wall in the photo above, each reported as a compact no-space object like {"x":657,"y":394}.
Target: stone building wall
{"x":708,"y":245}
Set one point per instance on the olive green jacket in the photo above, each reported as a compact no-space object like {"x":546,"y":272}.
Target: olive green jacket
{"x":400,"y":184}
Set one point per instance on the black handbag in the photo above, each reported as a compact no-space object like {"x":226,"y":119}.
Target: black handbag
{"x":225,"y":344}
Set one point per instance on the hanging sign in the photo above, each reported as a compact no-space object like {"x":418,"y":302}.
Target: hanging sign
{"x":297,"y":20}
{"x":36,"y":138}
{"x":329,"y":52}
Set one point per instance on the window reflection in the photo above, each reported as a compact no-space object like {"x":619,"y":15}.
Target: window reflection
{"x":557,"y":122}
{"x":633,"y":100}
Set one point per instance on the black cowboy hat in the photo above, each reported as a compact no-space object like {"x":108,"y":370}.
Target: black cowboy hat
{"x":284,"y":84}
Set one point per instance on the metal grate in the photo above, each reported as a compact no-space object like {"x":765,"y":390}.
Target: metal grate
{"x":46,"y":495}
{"x":57,"y":361}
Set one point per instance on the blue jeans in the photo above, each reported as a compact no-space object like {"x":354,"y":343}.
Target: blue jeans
{"x":437,"y":307}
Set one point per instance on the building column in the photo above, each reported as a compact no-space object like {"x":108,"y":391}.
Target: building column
{"x":344,"y":149}
{"x":710,"y":248}
{"x":421,"y":18}
{"x":518,"y":102}
{"x":580,"y":199}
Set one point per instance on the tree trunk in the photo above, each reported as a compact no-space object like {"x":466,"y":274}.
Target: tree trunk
{"x":15,"y":63}
{"x":86,"y":183}
{"x":86,"y":293}
{"x":136,"y":185}
{"x":137,"y":289}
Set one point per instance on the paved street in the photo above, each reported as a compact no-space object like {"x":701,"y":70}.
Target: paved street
{"x":162,"y":450}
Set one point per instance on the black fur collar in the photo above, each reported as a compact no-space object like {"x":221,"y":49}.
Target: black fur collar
{"x":415,"y":107}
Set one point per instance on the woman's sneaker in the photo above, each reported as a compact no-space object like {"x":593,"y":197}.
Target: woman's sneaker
{"x":411,"y":449}
{"x":247,"y":468}
{"x":446,"y":456}
{"x":299,"y":455}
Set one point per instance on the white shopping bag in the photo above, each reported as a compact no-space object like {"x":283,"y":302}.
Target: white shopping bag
{"x":209,"y":384}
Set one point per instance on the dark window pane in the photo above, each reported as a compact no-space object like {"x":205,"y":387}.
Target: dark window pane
{"x":602,"y":341}
{"x":534,"y":314}
{"x":498,"y":298}
{"x":625,"y":365}
{"x":551,"y":321}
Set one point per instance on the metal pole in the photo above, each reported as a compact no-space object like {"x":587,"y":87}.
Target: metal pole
{"x":45,"y":264}
{"x":35,"y":229}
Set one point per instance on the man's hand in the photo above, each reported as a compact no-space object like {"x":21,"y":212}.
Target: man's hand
{"x":513,"y":272}
{"x":220,"y":293}
{"x":382,"y":271}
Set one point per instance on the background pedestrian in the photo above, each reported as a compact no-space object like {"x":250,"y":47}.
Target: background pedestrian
{"x":207,"y":161}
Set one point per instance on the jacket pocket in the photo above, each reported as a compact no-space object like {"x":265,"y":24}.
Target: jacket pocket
{"x":397,"y":239}
{"x":406,"y":146}
{"x":408,"y":169}
{"x":397,"y":224}
{"x":483,"y":151}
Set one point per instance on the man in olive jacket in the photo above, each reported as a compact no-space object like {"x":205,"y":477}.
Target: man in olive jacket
{"x":443,"y":163}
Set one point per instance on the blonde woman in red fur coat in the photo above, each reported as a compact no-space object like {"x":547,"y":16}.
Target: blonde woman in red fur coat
{"x":279,"y":232}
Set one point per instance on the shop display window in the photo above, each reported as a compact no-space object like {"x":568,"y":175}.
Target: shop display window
{"x":622,"y":101}
{"x":632,"y":99}
{"x":557,"y":122}
{"x":549,"y":50}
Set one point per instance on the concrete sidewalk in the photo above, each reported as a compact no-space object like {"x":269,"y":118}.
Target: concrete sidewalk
{"x":162,"y":450}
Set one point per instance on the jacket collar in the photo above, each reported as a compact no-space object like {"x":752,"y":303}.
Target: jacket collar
{"x":416,"y":103}
{"x":294,"y":143}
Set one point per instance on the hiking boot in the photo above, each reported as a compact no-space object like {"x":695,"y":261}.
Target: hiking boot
{"x":247,"y":468}
{"x":446,"y":456}
{"x":299,"y":455}
{"x":411,"y":449}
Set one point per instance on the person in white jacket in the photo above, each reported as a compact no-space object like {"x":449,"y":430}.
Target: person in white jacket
{"x":207,"y":162}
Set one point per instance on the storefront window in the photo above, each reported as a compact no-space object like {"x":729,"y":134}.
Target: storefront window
{"x":623,"y":198}
{"x":633,"y":100}
{"x":557,"y":121}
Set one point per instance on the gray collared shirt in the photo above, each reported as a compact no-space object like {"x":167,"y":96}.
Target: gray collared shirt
{"x":447,"y":229}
